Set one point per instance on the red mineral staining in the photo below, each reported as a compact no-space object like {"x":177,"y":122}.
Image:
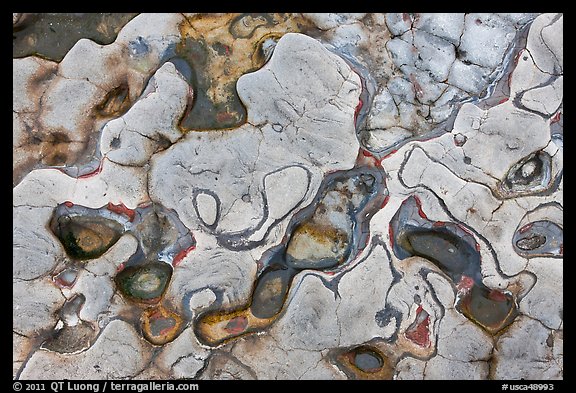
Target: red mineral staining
{"x":93,"y":173}
{"x":385,"y":202}
{"x":236,"y":325}
{"x":160,"y":325}
{"x":181,"y":255}
{"x":366,"y":153}
{"x":503,"y":100}
{"x":525,"y":228}
{"x":365,"y":158}
{"x":497,"y":296}
{"x":122,"y":209}
{"x":465,"y":284}
{"x":462,"y":227}
{"x":420,"y":211}
{"x":556,"y":117}
{"x":388,"y":155}
{"x":68,"y":204}
{"x":65,"y":279}
{"x":418,"y":332}
{"x":357,"y":110}
{"x":224,"y":117}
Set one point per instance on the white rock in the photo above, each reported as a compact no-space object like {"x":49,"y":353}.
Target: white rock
{"x":182,"y":357}
{"x":435,"y":55}
{"x":228,"y":274}
{"x":151,"y":123}
{"x":285,"y":189}
{"x":20,"y":349}
{"x":207,"y":207}
{"x":523,"y":352}
{"x":33,"y":314}
{"x":546,"y":99}
{"x":518,"y":18}
{"x":314,"y":108}
{"x":201,"y":300}
{"x":526,"y":75}
{"x":468,"y":77}
{"x":114,"y":183}
{"x":510,"y":133}
{"x":111,"y":260}
{"x":67,"y":107}
{"x":545,"y":43}
{"x":117,"y":353}
{"x":30,"y":77}
{"x":398,"y":23}
{"x":471,"y":202}
{"x":410,"y":368}
{"x":101,"y":65}
{"x":282,"y":363}
{"x":384,"y":112}
{"x":485,"y":40}
{"x":310,"y":321}
{"x":448,"y":26}
{"x":462,"y":341}
{"x":362,"y":297}
{"x":442,"y":368}
{"x":98,"y":291}
{"x":545,"y":301}
{"x":224,"y":366}
{"x":35,"y":250}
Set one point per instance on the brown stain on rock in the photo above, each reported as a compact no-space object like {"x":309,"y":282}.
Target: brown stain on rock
{"x":215,"y":328}
{"x":160,"y":325}
{"x":51,"y":35}
{"x":220,"y":48}
{"x":115,"y":103}
{"x":364,"y":362}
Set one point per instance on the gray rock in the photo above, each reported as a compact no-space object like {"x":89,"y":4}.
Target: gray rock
{"x":527,"y":351}
{"x":117,"y":353}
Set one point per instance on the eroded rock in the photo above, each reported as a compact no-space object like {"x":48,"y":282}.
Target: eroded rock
{"x":291,"y":196}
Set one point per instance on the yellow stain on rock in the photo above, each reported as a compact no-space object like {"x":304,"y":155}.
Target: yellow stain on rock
{"x":220,"y":48}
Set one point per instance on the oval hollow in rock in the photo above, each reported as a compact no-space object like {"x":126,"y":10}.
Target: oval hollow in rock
{"x":207,"y":207}
{"x":160,"y":325}
{"x":531,"y":175}
{"x":71,"y":339}
{"x":419,"y":332}
{"x":364,"y":362}
{"x":492,"y":309}
{"x":540,"y":238}
{"x":317,"y":247}
{"x":368,"y":361}
{"x":457,"y":254}
{"x":452,"y":255}
{"x":326,"y":236}
{"x":270,"y":291}
{"x":66,"y":278}
{"x":144,"y":283}
{"x":86,"y":237}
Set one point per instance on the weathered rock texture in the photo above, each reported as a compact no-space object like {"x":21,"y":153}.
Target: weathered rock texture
{"x":390,"y":206}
